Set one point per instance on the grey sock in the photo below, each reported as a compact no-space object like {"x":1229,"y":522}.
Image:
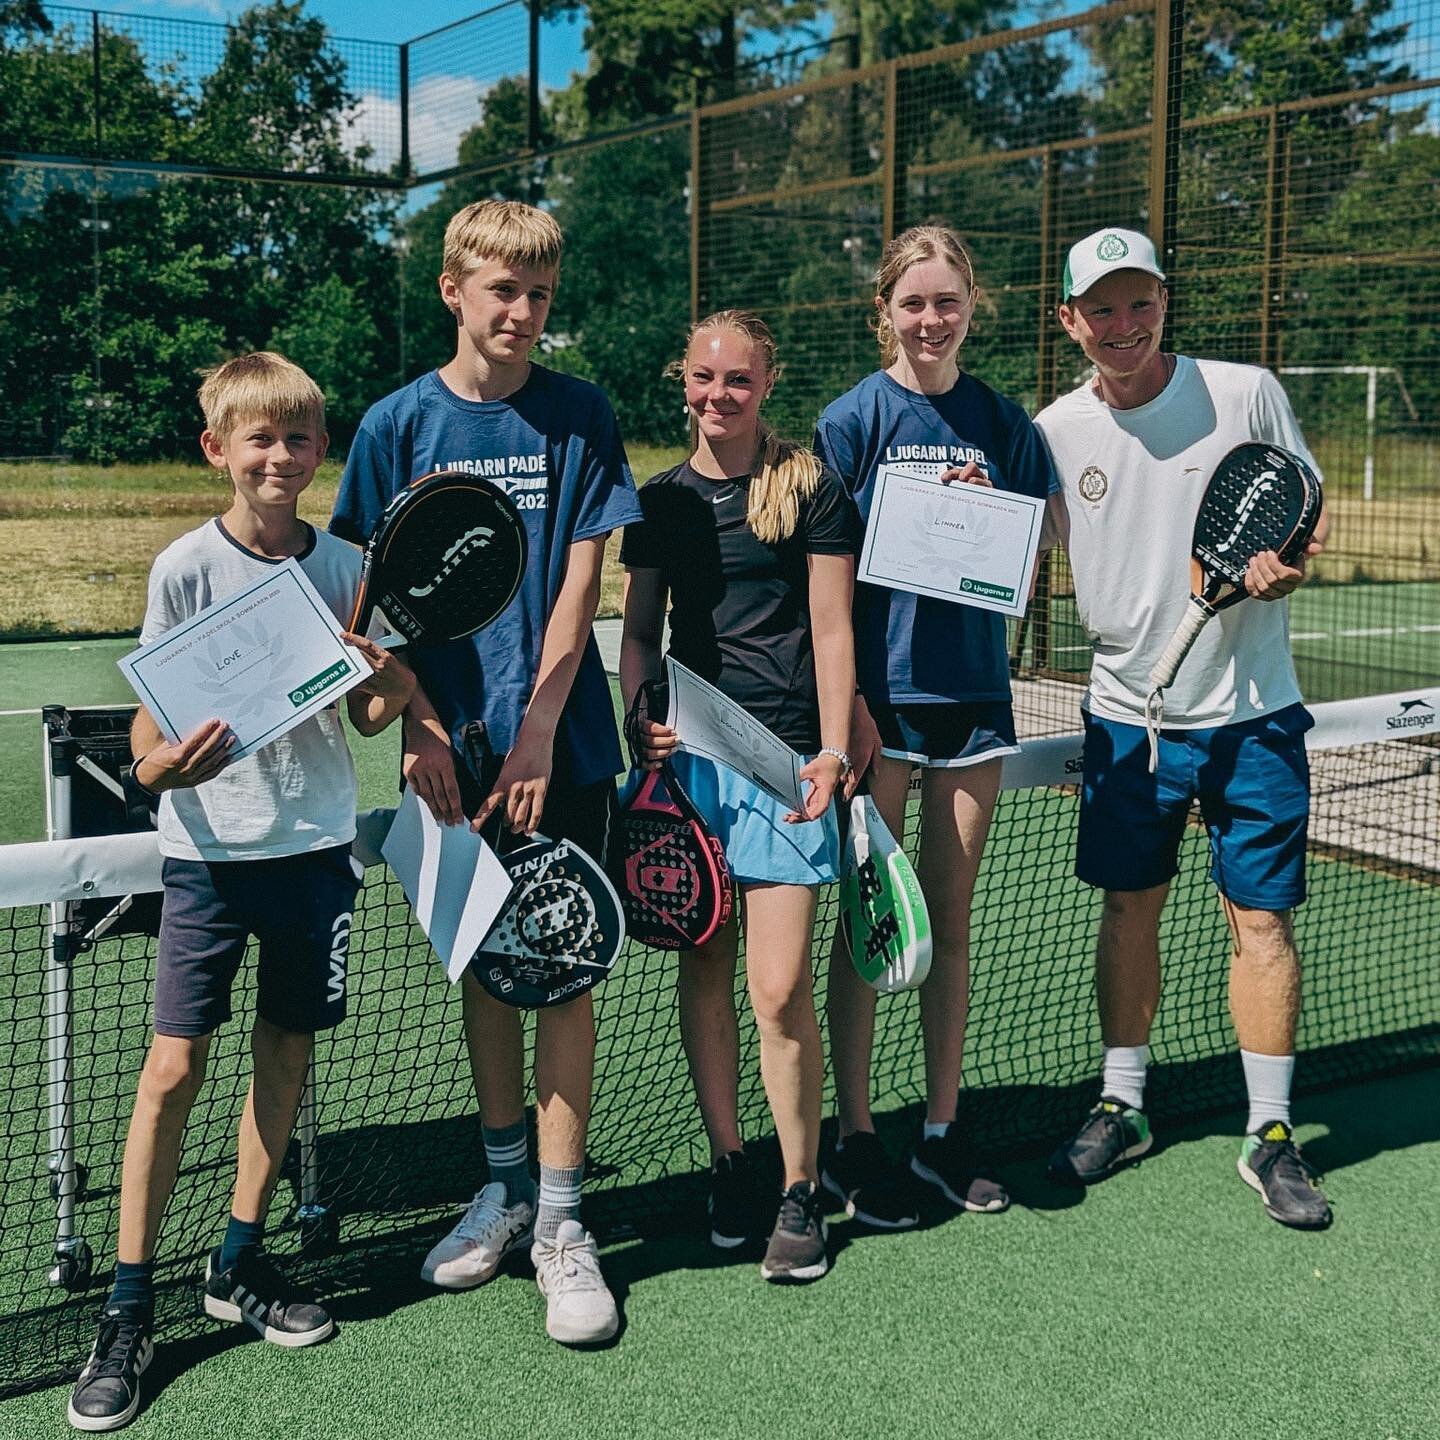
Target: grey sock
{"x":507,"y":1154}
{"x":559,"y":1198}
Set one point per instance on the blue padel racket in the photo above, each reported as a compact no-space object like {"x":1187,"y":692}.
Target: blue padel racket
{"x":672,"y":874}
{"x":445,"y":560}
{"x":562,"y":927}
{"x":883,"y":914}
{"x":1259,"y":498}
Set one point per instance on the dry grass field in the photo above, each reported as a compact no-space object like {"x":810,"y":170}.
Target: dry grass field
{"x":79,"y":539}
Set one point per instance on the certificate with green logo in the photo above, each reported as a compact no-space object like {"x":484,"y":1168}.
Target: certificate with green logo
{"x":262,"y":660}
{"x":968,"y":543}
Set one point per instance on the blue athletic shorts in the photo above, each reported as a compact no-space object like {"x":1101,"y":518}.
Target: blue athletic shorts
{"x":945,"y":736}
{"x":1253,"y":784}
{"x":297,"y":906}
{"x":750,"y":824}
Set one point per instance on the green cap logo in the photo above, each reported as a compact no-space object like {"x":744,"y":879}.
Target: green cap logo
{"x":1111,"y":248}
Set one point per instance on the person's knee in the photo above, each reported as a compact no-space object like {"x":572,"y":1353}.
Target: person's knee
{"x":1264,"y":937}
{"x":174,"y":1071}
{"x":783,"y":1005}
{"x":1135,"y":907}
{"x":282,"y":1053}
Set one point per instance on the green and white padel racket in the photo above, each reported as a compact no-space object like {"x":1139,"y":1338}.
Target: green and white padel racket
{"x":882,"y":908}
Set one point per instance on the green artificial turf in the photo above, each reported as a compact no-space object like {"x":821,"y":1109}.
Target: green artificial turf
{"x":1163,"y":1304}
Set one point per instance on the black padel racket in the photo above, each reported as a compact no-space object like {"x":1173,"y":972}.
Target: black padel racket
{"x":1259,"y":498}
{"x":672,"y":873}
{"x":562,"y":927}
{"x":444,"y":561}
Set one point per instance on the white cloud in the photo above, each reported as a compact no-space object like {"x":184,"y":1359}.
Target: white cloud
{"x":442,"y":108}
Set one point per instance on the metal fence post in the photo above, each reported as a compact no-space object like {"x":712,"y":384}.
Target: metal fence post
{"x":892,"y":203}
{"x":405,"y":111}
{"x":1165,"y":132}
{"x":95,"y":77}
{"x":697,"y":210}
{"x":532,"y":124}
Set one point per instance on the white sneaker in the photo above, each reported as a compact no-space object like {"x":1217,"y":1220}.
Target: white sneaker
{"x":579,"y":1308}
{"x":471,"y":1253}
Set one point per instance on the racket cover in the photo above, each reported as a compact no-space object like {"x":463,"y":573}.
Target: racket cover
{"x":882,"y":908}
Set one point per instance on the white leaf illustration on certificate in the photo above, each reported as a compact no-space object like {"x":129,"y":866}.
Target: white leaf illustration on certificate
{"x":970,"y":544}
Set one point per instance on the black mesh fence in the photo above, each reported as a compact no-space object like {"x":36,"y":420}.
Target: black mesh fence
{"x":396,"y":1150}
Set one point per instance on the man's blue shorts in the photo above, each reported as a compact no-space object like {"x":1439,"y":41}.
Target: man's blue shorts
{"x":1253,"y":784}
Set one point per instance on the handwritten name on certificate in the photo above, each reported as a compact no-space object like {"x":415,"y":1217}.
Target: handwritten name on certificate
{"x":709,"y":723}
{"x":967,"y":543}
{"x":262,"y":660}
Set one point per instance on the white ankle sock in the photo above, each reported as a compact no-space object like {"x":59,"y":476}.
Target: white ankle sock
{"x":1267,"y":1082}
{"x":1124,"y":1075}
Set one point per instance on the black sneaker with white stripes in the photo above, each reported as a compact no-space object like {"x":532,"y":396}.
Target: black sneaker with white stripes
{"x":253,"y":1292}
{"x":107,"y":1394}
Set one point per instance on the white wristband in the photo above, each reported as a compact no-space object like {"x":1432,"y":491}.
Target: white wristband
{"x":845,"y":766}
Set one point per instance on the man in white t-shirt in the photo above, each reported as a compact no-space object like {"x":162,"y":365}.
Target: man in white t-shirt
{"x":1134,"y":448}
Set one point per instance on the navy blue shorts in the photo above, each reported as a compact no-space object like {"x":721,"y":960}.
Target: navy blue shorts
{"x":1253,"y":784}
{"x":945,"y":735}
{"x":582,"y":814}
{"x":297,"y":906}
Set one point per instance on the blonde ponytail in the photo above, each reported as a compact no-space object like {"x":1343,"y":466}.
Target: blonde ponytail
{"x":785,"y":474}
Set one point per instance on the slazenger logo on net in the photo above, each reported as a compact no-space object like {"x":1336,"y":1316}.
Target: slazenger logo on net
{"x":1413,"y":715}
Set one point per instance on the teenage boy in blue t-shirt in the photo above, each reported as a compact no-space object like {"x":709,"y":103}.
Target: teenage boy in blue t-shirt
{"x":535,"y":680}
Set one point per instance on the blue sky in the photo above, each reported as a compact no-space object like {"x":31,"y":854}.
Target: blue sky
{"x":560,"y":48}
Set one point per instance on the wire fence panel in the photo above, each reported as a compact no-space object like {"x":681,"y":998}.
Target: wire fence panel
{"x":1289,"y":176}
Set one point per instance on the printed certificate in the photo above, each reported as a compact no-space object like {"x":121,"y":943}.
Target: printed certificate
{"x":967,"y":543}
{"x":262,"y":660}
{"x":709,"y":723}
{"x":453,"y":880}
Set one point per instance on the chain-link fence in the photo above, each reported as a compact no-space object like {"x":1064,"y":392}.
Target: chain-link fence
{"x":1286,"y":161}
{"x":1289,"y":176}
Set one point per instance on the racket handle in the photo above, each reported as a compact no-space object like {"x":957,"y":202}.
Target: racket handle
{"x":1197,"y":613}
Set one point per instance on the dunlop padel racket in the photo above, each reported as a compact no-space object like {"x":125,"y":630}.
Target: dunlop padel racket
{"x":444,"y":561}
{"x":562,"y":927}
{"x":672,"y":874}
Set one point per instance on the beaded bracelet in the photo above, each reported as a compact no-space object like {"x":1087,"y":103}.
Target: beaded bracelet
{"x":845,"y":766}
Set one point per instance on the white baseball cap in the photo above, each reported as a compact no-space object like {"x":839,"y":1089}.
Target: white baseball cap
{"x":1104,"y":252}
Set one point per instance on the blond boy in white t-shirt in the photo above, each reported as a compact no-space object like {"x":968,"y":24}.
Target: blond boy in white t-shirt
{"x":1134,"y":448}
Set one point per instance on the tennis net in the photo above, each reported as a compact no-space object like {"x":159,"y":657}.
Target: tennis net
{"x":390,"y":1145}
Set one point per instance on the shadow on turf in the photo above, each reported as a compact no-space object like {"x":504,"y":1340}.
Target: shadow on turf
{"x":398,"y":1188}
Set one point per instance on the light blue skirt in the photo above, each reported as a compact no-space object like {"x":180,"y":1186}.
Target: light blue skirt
{"x":760,"y":847}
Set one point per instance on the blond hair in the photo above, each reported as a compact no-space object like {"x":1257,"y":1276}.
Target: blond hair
{"x":913,"y":247}
{"x":262,"y":385}
{"x":783,"y":473}
{"x":503,"y":230}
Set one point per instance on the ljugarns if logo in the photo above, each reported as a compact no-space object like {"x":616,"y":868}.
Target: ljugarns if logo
{"x":1111,"y":248}
{"x":1093,"y":484}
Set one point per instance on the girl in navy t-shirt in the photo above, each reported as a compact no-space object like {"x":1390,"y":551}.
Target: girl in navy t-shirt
{"x":753,"y":541}
{"x":934,"y":691}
